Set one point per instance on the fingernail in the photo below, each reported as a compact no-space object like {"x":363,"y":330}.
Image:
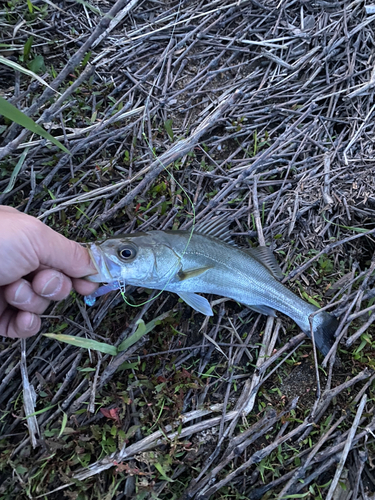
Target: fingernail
{"x":32,"y":321}
{"x":23,"y":294}
{"x":52,"y":286}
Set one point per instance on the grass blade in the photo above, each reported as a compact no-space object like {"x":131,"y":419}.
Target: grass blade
{"x":12,"y":113}
{"x":142,"y":329}
{"x":21,"y":69}
{"x":15,"y":172}
{"x":85,"y":343}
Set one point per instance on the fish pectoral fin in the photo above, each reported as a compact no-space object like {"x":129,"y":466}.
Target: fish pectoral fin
{"x":191,"y":273}
{"x":197,"y":302}
{"x":265,"y":257}
{"x":263,"y":310}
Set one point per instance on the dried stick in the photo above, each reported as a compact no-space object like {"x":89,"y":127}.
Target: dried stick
{"x":347,"y":447}
{"x":173,"y":154}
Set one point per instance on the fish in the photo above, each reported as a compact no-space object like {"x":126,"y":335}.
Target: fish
{"x":206,"y":261}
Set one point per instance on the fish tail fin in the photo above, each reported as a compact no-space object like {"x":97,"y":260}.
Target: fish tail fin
{"x":324,"y":331}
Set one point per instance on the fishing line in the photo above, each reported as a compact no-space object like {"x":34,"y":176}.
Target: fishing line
{"x":123,"y":283}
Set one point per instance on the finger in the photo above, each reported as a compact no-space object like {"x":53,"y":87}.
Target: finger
{"x":19,"y":324}
{"x":51,"y":284}
{"x":84,"y":287}
{"x":21,"y":295}
{"x":30,"y":276}
{"x":3,"y":302}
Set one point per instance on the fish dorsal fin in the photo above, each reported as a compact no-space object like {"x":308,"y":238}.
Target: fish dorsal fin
{"x":216,"y":227}
{"x":265,"y":257}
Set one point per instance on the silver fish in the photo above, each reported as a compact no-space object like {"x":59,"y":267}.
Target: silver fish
{"x":204,"y":262}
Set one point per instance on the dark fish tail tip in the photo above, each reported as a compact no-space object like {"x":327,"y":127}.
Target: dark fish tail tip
{"x":324,"y":333}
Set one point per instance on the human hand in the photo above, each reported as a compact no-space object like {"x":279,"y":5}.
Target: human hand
{"x":36,"y":266}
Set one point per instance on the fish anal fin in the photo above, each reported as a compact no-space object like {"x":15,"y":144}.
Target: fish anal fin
{"x":197,"y":302}
{"x":268,"y":311}
{"x":191,"y":273}
{"x":265,"y":257}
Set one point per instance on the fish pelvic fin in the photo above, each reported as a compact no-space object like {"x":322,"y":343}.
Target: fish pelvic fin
{"x":197,"y":302}
{"x":324,"y":332}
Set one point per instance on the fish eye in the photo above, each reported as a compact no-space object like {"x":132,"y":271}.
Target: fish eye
{"x":127,"y":252}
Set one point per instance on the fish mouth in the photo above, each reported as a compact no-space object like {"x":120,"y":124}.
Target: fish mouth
{"x":103,"y":265}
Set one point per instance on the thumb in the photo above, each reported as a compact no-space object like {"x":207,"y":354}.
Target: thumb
{"x":58,"y":252}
